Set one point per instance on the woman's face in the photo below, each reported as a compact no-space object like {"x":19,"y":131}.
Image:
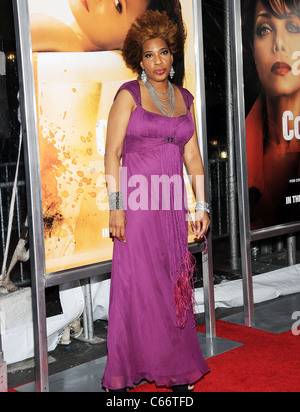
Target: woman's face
{"x":106,"y":22}
{"x":157,"y":59}
{"x":275,"y":41}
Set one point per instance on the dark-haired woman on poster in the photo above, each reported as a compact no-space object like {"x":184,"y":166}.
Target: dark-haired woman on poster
{"x":273,"y":157}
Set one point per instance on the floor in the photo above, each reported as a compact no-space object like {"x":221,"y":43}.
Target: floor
{"x":79,"y":366}
{"x":273,"y":317}
{"x":87,"y":377}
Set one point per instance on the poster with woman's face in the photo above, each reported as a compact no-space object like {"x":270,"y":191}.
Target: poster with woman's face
{"x":271,"y":40}
{"x":78,"y":69}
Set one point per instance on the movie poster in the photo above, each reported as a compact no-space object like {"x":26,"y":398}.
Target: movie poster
{"x":271,"y":40}
{"x":74,"y":93}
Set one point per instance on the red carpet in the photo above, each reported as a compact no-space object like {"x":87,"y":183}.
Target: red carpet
{"x":266,"y":363}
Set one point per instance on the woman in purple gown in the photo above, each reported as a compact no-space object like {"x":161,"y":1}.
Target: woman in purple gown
{"x":152,"y":333}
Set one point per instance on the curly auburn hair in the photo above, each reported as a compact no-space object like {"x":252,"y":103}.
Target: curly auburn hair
{"x":152,"y":25}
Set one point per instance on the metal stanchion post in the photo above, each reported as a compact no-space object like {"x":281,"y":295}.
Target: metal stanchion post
{"x":209,"y":299}
{"x":241,"y":152}
{"x":88,"y":323}
{"x":232,"y":178}
{"x":292,"y":250}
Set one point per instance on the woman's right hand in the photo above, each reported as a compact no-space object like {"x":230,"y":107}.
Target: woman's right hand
{"x":117,"y":225}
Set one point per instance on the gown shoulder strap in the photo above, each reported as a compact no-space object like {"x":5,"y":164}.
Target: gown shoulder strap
{"x":133,"y":88}
{"x":187,"y":96}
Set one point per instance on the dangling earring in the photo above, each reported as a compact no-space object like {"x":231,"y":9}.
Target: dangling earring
{"x":172,"y":72}
{"x":144,"y":77}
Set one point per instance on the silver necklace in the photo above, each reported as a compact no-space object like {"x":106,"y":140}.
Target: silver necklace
{"x":165,"y":102}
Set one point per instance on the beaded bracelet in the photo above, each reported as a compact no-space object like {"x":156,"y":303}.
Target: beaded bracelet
{"x":115,"y":200}
{"x":202,"y":207}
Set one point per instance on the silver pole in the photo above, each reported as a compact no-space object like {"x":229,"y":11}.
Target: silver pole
{"x":232,"y":179}
{"x":241,"y":152}
{"x":292,"y":250}
{"x":207,"y":260}
{"x":88,"y":312}
{"x":88,"y":321}
{"x":209,"y":296}
{"x":33,"y":187}
{"x":279,"y":245}
{"x":85,"y":317}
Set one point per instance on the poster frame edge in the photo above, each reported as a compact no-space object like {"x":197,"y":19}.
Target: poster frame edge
{"x":29,"y":114}
{"x":207,"y":259}
{"x":274,"y":231}
{"x":33,"y":190}
{"x":241,"y":160}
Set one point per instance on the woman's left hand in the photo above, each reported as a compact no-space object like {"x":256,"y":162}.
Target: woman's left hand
{"x":202,"y":223}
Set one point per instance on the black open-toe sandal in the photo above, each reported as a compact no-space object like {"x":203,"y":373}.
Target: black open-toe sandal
{"x":181,"y":388}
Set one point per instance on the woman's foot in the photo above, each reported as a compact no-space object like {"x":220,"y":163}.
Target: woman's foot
{"x":183,"y":388}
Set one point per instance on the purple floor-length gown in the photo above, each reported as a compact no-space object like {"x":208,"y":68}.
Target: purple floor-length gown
{"x":152,"y":333}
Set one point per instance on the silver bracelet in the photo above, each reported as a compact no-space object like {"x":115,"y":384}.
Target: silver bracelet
{"x":115,"y":200}
{"x":202,"y":207}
